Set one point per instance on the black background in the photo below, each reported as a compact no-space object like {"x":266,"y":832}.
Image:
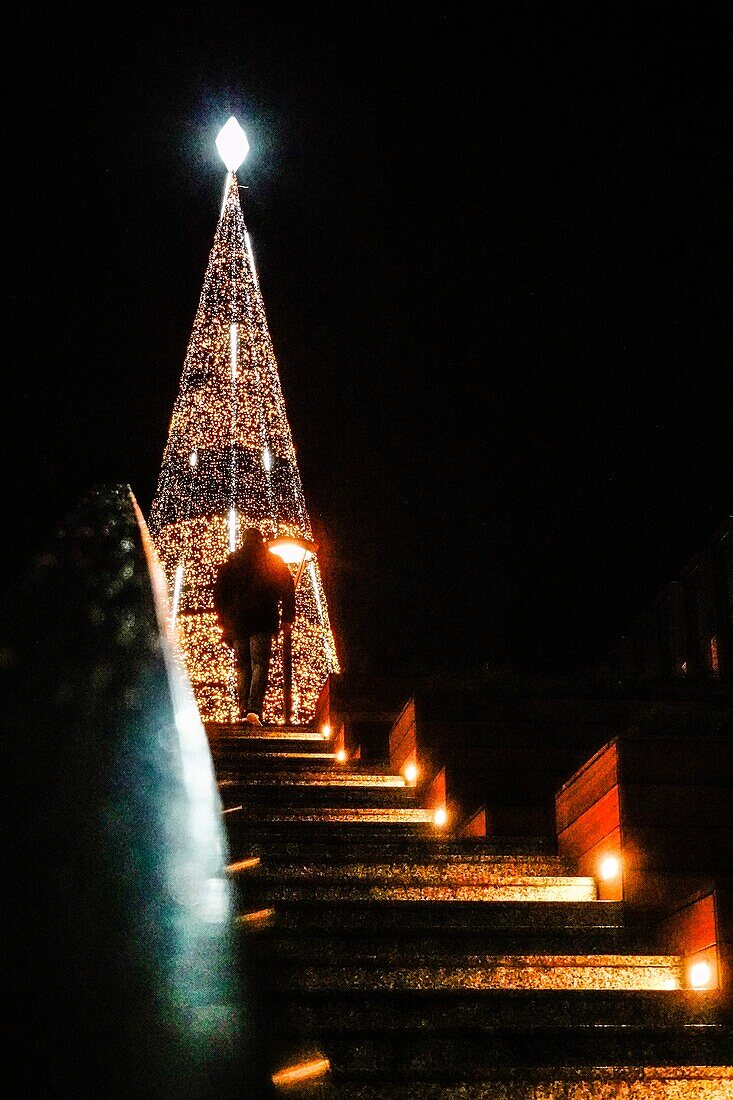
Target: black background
{"x":494,"y":244}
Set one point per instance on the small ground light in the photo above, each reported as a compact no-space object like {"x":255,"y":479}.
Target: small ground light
{"x":700,"y":975}
{"x":303,"y":1071}
{"x":440,"y":817}
{"x":259,"y":916}
{"x":610,"y":868}
{"x":248,"y":864}
{"x":341,"y":755}
{"x":325,"y":730}
{"x":411,"y":773}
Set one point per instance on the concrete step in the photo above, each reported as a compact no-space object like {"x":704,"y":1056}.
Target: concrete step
{"x":488,"y":1010}
{"x":544,"y":1083}
{"x":417,"y":918}
{"x":470,"y":1057}
{"x":273,"y":764}
{"x":312,"y":777}
{"x":225,"y":731}
{"x":375,"y":820}
{"x":490,"y":972}
{"x":450,"y":871}
{"x":493,"y":888}
{"x":473,"y":1060}
{"x":436,"y":847}
{"x":427,"y":948}
{"x":354,"y":796}
{"x":238,"y":749}
{"x":241,"y":741}
{"x":252,"y":760}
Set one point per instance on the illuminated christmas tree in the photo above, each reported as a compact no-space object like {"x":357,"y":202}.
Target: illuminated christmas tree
{"x":230,"y":464}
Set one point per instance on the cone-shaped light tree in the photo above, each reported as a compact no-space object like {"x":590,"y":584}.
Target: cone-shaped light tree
{"x":229,"y":464}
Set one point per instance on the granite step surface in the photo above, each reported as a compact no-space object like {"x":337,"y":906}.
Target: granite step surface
{"x":497,"y":888}
{"x":345,"y":918}
{"x":424,"y":965}
{"x":377,"y":820}
{"x":452,"y":870}
{"x":485,"y":1010}
{"x":472,"y":1057}
{"x":329,"y":947}
{"x":586,"y":972}
{"x":622,"y":1082}
{"x":288,"y":845}
{"x":356,"y":796}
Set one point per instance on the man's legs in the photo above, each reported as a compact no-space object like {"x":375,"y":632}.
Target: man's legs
{"x":259,"y":649}
{"x":244,"y":674}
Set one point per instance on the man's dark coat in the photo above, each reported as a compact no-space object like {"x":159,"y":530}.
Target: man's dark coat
{"x":249,"y":588}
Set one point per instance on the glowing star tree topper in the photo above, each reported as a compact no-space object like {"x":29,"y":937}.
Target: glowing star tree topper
{"x":231,"y":141}
{"x":229,"y":464}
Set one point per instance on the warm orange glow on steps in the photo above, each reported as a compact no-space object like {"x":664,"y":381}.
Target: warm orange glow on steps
{"x":304,"y":1071}
{"x":259,"y":916}
{"x":243,"y":865}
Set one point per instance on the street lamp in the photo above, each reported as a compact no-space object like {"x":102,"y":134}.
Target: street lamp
{"x":293,"y":551}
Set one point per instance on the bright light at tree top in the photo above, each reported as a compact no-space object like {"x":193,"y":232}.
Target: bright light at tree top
{"x":232,"y":144}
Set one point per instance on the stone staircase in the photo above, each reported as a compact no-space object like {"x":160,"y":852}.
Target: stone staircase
{"x":389,"y":959}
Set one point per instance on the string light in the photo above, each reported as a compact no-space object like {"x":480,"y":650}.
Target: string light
{"x":177,"y":585}
{"x":229,"y":464}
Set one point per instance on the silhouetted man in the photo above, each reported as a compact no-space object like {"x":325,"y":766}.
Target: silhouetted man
{"x":250,"y":587}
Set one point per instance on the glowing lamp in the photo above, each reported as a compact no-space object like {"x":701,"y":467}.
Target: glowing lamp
{"x":411,"y":773}
{"x":440,"y":817}
{"x":325,"y":731}
{"x":610,"y":868}
{"x":341,"y":756}
{"x":700,"y":975}
{"x":232,"y":144}
{"x":293,"y":551}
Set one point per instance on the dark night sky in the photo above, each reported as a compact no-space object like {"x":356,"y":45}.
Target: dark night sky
{"x":496,"y":262}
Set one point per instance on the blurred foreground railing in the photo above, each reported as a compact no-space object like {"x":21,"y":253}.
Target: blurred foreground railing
{"x":123,"y":947}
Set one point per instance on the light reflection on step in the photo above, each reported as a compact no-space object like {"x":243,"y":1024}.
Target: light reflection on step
{"x":337,"y":815}
{"x":556,"y":1083}
{"x":454,"y":872}
{"x":601,"y":972}
{"x":518,"y":889}
{"x":256,"y":733}
{"x":315,"y":779}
